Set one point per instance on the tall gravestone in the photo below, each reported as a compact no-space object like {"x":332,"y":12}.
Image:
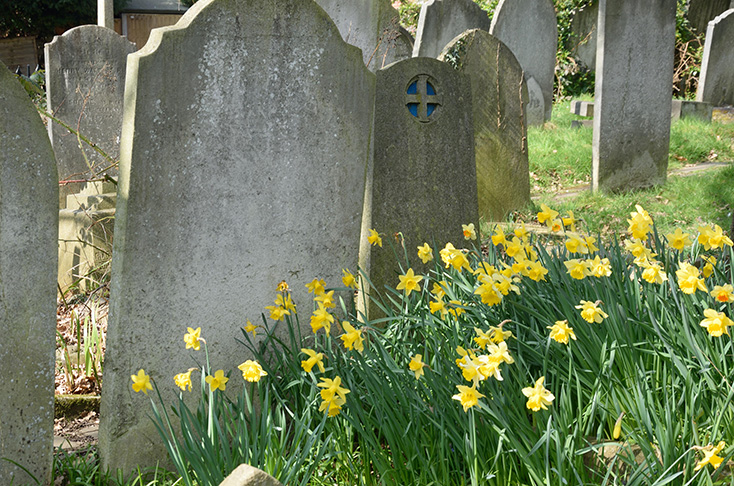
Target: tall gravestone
{"x":28,"y":232}
{"x":424,"y":178}
{"x":85,"y":83}
{"x":701,"y":12}
{"x":374,"y":27}
{"x":716,"y":84}
{"x":245,"y":142}
{"x":500,"y":135}
{"x":442,"y":20}
{"x":582,"y":41}
{"x":632,"y":100}
{"x":530,"y":29}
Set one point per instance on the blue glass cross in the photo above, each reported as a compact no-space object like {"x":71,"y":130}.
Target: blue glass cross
{"x":421,"y":98}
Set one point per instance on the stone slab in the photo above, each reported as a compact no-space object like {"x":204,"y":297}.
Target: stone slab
{"x":28,"y":230}
{"x":442,"y":20}
{"x":529,"y":28}
{"x":582,"y":41}
{"x":500,"y":134}
{"x":424,"y":178}
{"x":701,"y":12}
{"x":632,"y":100}
{"x":374,"y":27}
{"x":716,"y":83}
{"x":535,"y":107}
{"x":691,"y":109}
{"x":582,"y":108}
{"x":245,"y":168}
{"x":582,"y":123}
{"x":85,"y":82}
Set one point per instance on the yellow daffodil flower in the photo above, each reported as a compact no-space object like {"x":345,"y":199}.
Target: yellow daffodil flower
{"x":316,"y":286}
{"x":500,"y":353}
{"x":489,"y":293}
{"x":218,"y":381}
{"x":521,"y":232}
{"x":575,"y":243}
{"x":332,"y":388}
{"x":497,"y":335}
{"x":348,"y":279}
{"x":283,"y":286}
{"x":192,"y":337}
{"x":321,"y":319}
{"x":277,"y":313}
{"x":425,"y":253}
{"x":708,"y":268}
{"x":250,"y":327}
{"x":374,"y":238}
{"x":409,"y":282}
{"x":416,"y":365}
{"x":599,"y":267}
{"x":561,"y":331}
{"x":713,"y":238}
{"x":639,"y":225}
{"x":183,"y":380}
{"x":576,"y":268}
{"x":716,"y":323}
{"x":468,"y":397}
{"x":314,"y":358}
{"x":723,"y":293}
{"x":326,"y":300}
{"x":455,"y":308}
{"x":438,"y":306}
{"x":590,"y":242}
{"x":333,"y":407}
{"x":678,"y":239}
{"x":483,"y":339}
{"x":538,"y":396}
{"x":285,"y":302}
{"x":498,"y":238}
{"x":469,"y":232}
{"x":352,"y":337}
{"x":569,"y":221}
{"x":535,"y":271}
{"x":252,"y":371}
{"x":654,"y":272}
{"x":439,"y":289}
{"x":591,"y":312}
{"x":141,"y":382}
{"x":688,"y":279}
{"x":546,"y":215}
{"x":711,"y":456}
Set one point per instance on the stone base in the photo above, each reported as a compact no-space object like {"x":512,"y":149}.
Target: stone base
{"x":691,"y":109}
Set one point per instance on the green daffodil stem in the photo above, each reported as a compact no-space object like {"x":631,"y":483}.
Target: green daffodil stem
{"x":473,"y":440}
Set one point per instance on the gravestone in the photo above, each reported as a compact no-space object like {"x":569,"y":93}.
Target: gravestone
{"x":691,"y":109}
{"x":535,"y":107}
{"x":500,"y":136}
{"x":374,"y":27}
{"x":85,"y":83}
{"x":529,"y":28}
{"x":632,"y":100}
{"x":442,"y":20}
{"x":701,"y":12}
{"x":582,"y":108}
{"x":716,"y":84}
{"x":245,"y":142}
{"x":28,"y":232}
{"x":582,"y":41}
{"x":424,"y":178}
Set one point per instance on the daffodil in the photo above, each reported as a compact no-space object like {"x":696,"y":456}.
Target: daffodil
{"x":277,"y":313}
{"x":183,"y":380}
{"x":711,"y":456}
{"x":468,"y":396}
{"x":332,"y":390}
{"x":455,"y":308}
{"x":689,"y":279}
{"x":535,"y":271}
{"x":639,"y":224}
{"x":483,"y":339}
{"x":654,"y":272}
{"x":561,"y":331}
{"x":716,"y":323}
{"x":374,"y":238}
{"x":321,"y":319}
{"x":489,"y":293}
{"x":141,"y":382}
{"x":500,"y":353}
{"x":469,"y":232}
{"x":708,"y":268}
{"x":425,"y":253}
{"x":250,"y":327}
{"x":521,"y":232}
{"x":599,"y":267}
{"x":316,"y":286}
{"x":283,"y":286}
{"x":438,"y":305}
{"x":576,"y":268}
{"x":409,"y":282}
{"x":538,"y":396}
{"x":591,"y":312}
{"x":723,"y":293}
{"x":569,"y":221}
{"x":348,"y":279}
{"x":314,"y":358}
{"x":326,"y":299}
{"x":713,"y":238}
{"x":352,"y":337}
{"x":285,"y":302}
{"x":575,"y":243}
{"x":439,"y":289}
{"x":546,"y":215}
{"x":416,"y":365}
{"x":252,"y":371}
{"x":192,"y":337}
{"x":218,"y":381}
{"x":498,"y":238}
{"x":497,"y":335}
{"x":678,"y":239}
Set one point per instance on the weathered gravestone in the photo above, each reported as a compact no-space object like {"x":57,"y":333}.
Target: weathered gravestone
{"x":632,"y":100}
{"x":85,"y":82}
{"x":28,"y":231}
{"x":374,"y":27}
{"x":529,"y":28}
{"x":691,"y":109}
{"x":442,"y":20}
{"x":716,"y":84}
{"x":244,"y":148}
{"x":535,"y":107}
{"x":500,"y":135}
{"x":582,"y":41}
{"x":701,"y":12}
{"x":424,"y":179}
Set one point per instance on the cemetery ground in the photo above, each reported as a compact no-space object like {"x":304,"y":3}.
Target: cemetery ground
{"x":583,"y":365}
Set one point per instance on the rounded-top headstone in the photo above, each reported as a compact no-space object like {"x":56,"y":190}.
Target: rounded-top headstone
{"x":530,"y":29}
{"x":442,"y":20}
{"x":716,"y":84}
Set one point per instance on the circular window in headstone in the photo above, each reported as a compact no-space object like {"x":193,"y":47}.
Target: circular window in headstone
{"x":422,"y":98}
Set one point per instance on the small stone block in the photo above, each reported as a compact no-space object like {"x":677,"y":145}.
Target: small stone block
{"x":691,"y":109}
{"x":582,"y":123}
{"x":582,"y":108}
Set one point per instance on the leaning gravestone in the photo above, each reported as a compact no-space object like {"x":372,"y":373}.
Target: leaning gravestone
{"x":85,"y":82}
{"x":632,"y":101}
{"x":529,"y":28}
{"x":500,"y":136}
{"x":28,"y":231}
{"x":716,"y":84}
{"x":374,"y":27}
{"x":424,"y":179}
{"x":442,"y":20}
{"x":701,"y":12}
{"x":245,"y":142}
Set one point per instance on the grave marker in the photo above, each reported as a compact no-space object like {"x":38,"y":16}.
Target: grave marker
{"x":716,"y":84}
{"x":632,"y":101}
{"x":28,"y":233}
{"x":500,"y":135}
{"x":245,"y":168}
{"x":442,"y":20}
{"x":85,"y":83}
